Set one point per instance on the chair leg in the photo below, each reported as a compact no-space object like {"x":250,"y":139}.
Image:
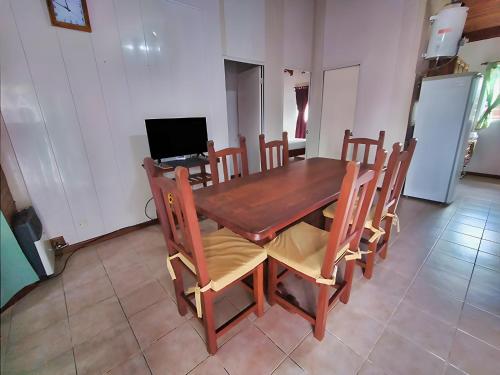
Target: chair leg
{"x":387,"y":237}
{"x":370,"y":260}
{"x":179,"y":287}
{"x":209,"y":321}
{"x":258,"y":289}
{"x":321,"y":312}
{"x":348,"y":276}
{"x":272,"y":280}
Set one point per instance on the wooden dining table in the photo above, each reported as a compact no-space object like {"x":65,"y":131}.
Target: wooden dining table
{"x":258,"y":206}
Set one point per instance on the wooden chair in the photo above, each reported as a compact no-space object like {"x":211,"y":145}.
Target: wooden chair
{"x":314,"y":254}
{"x":356,"y":142}
{"x":223,"y":155}
{"x":385,"y":208}
{"x":218,"y":260}
{"x":268,"y":148}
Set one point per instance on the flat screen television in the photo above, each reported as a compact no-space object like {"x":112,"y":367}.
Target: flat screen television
{"x":171,"y":137}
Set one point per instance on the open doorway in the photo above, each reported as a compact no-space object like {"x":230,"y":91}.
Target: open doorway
{"x":244,"y":94}
{"x":296,"y":109}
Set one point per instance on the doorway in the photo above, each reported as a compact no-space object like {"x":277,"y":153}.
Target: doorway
{"x":340,"y":91}
{"x":244,"y":98}
{"x":296,"y":109}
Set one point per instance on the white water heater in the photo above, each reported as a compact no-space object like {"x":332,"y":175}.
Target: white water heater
{"x":447,"y":28}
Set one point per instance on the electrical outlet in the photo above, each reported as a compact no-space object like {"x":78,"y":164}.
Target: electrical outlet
{"x":58,"y":244}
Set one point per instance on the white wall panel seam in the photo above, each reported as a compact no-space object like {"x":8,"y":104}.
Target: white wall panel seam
{"x":80,"y":131}
{"x":108,"y":124}
{"x":35,"y":90}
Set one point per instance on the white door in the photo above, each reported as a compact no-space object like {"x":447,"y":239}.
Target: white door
{"x":340,"y":89}
{"x":250,"y":113}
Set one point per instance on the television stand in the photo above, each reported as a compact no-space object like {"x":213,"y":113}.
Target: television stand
{"x":195,"y":161}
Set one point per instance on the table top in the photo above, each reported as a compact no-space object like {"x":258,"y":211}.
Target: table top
{"x":258,"y":206}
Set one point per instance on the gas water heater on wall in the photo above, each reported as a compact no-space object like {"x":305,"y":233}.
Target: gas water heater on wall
{"x":447,"y":28}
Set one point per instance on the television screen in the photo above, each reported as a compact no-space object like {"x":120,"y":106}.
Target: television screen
{"x":171,"y":137}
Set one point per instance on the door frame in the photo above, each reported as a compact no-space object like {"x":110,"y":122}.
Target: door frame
{"x":325,"y":70}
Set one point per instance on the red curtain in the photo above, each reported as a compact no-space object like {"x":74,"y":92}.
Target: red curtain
{"x":301,"y":96}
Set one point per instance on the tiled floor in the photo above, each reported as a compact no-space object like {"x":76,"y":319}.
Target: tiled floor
{"x":433,"y":307}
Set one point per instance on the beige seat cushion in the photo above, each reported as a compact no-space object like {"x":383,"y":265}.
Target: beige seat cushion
{"x":329,"y":212}
{"x":302,"y":247}
{"x":228,"y":256}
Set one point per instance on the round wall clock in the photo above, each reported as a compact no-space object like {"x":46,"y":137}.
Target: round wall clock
{"x":71,"y":14}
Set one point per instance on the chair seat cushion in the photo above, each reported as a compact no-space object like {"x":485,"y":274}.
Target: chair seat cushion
{"x":329,"y":212}
{"x":229,"y":257}
{"x":303,"y":248}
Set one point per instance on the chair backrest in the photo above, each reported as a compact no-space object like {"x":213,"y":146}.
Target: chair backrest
{"x":177,"y":215}
{"x":354,"y":203}
{"x":356,"y":142}
{"x":240,"y":168}
{"x":269,"y":148}
{"x":395,"y":175}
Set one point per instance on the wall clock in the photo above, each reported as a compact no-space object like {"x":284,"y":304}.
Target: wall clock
{"x":71,"y":14}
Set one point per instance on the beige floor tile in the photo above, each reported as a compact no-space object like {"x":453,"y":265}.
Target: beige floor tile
{"x":493,"y":225}
{"x":45,"y":291}
{"x":143,"y":297}
{"x":450,"y":370}
{"x":210,"y":366}
{"x":106,"y":350}
{"x":176,"y":353}
{"x":250,"y":352}
{"x":448,"y":264}
{"x":77,"y":276}
{"x":473,"y":356}
{"x":34,"y":350}
{"x":396,"y":355}
{"x":480,"y":324}
{"x":490,"y":247}
{"x":491,"y":235}
{"x":356,"y":329}
{"x":238,"y":296}
{"x":133,"y":366}
{"x":455,"y":286}
{"x":423,"y":329}
{"x":388,"y":279}
{"x":461,"y":239}
{"x":224,"y":310}
{"x":88,"y":294}
{"x":285,"y":329}
{"x":376,"y":301}
{"x":94,"y":319}
{"x":37,"y":317}
{"x":127,"y":279}
{"x":156,"y":321}
{"x":480,"y":223}
{"x":83,"y":257}
{"x":406,"y":258}
{"x":288,"y":367}
{"x":455,"y":250}
{"x":120,"y":258}
{"x":475,"y":213}
{"x":465,"y":229}
{"x":484,"y":290}
{"x":488,"y":261}
{"x":327,"y":356}
{"x":369,"y":368}
{"x":64,"y":364}
{"x":435,"y":302}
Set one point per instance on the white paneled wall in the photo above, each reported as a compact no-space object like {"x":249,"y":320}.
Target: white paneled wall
{"x":74,"y":103}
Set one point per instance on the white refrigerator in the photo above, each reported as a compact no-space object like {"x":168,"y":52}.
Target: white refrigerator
{"x":443,"y":120}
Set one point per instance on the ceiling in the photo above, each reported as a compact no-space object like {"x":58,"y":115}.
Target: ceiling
{"x":483,"y":20}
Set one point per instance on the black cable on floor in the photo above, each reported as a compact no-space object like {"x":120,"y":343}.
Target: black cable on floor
{"x":146,"y":209}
